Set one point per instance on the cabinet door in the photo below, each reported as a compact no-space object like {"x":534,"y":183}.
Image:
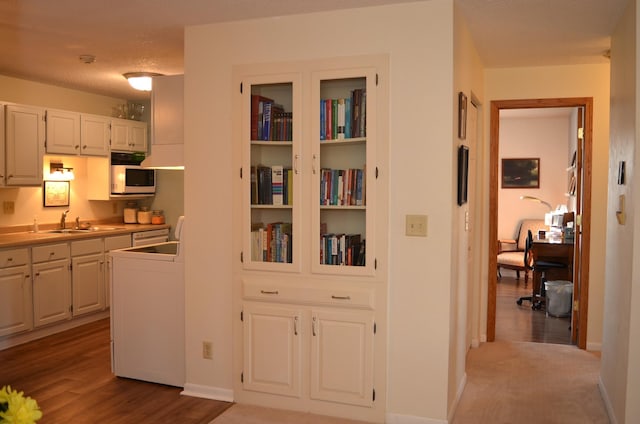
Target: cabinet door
{"x":119,"y":134}
{"x":271,"y":173}
{"x":25,"y":133}
{"x":15,"y":300}
{"x":342,"y":356}
{"x":138,"y":136}
{"x":2,"y":144}
{"x":272,"y":349}
{"x":87,"y":279}
{"x":94,"y":135}
{"x":51,"y":292}
{"x":63,"y":132}
{"x":343,"y":116}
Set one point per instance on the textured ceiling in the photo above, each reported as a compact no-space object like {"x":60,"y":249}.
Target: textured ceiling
{"x":41,"y":40}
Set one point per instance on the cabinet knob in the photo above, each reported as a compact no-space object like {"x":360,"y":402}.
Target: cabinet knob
{"x":9,"y":259}
{"x":77,"y":146}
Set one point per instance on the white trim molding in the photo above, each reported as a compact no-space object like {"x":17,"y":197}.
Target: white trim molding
{"x":410,"y":419}
{"x":208,"y":392}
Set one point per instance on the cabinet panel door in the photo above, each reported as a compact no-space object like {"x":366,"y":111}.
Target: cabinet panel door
{"x":25,"y":133}
{"x":87,"y":279}
{"x":94,"y":135}
{"x":342,"y":357}
{"x":272,"y":349}
{"x":119,"y":134}
{"x":51,"y":292}
{"x":15,"y":300}
{"x":138,"y":136}
{"x":63,"y":132}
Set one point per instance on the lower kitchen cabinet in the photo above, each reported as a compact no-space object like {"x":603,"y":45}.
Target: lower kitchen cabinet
{"x":51,"y":284}
{"x":87,"y":276}
{"x":15,"y":291}
{"x":294,"y":350}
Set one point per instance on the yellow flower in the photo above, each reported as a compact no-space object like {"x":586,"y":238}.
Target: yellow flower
{"x":16,"y":409}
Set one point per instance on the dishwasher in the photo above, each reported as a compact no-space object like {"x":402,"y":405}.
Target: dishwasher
{"x":143,"y":238}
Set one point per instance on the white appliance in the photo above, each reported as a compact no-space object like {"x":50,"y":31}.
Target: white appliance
{"x":147,"y":311}
{"x":142,"y":238}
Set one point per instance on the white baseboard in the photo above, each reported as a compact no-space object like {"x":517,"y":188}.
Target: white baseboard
{"x":607,"y":402}
{"x":454,"y":406}
{"x":410,"y":419}
{"x":208,"y":392}
{"x":483,"y":338}
{"x":594,"y":347}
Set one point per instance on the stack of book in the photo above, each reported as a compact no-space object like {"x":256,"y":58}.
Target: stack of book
{"x":342,"y":249}
{"x":271,"y":185}
{"x":342,"y":187}
{"x":271,"y":242}
{"x":269,"y":120}
{"x":344,"y":117}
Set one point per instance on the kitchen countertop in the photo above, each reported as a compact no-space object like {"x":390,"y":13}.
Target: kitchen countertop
{"x":15,"y":237}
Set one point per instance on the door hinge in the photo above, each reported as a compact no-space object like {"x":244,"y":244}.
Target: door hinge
{"x":242,"y":377}
{"x":376,"y":172}
{"x":44,"y":117}
{"x":240,"y":172}
{"x":375,"y":263}
{"x":580,"y":133}
{"x":375,"y":328}
{"x":240,"y":88}
{"x":242,"y":257}
{"x":70,"y":266}
{"x":576,"y":305}
{"x":242,"y":316}
{"x":376,"y":80}
{"x":71,"y":308}
{"x":374,"y":395}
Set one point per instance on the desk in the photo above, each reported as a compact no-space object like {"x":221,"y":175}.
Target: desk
{"x":552,"y":251}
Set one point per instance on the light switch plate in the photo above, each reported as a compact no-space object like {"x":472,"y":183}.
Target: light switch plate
{"x":416,"y":225}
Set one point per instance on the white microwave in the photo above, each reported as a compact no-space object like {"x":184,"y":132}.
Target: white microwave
{"x":132,"y":179}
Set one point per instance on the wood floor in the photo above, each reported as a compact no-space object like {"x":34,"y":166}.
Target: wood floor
{"x":520,"y":323}
{"x":69,"y":375}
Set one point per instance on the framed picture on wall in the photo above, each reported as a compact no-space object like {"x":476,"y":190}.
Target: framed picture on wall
{"x":521,"y":173}
{"x":55,"y":193}
{"x":463,"y":174}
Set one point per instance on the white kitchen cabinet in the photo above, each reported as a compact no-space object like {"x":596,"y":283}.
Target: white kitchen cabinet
{"x":272,"y":349}
{"x":95,"y":134}
{"x":51,"y":283}
{"x":128,"y":135}
{"x":16,"y":313}
{"x":2,"y":144}
{"x":25,"y":135}
{"x":87,"y":276}
{"x":112,"y":243}
{"x":63,"y":132}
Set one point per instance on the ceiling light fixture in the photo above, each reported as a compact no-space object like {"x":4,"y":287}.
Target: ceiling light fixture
{"x":140,"y":80}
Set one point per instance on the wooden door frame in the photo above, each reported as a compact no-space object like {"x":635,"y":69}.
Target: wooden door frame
{"x":585,"y":227}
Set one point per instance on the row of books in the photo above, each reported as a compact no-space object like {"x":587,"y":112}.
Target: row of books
{"x":271,"y":242}
{"x":342,"y":249}
{"x":271,"y":185}
{"x":269,"y":120}
{"x":342,"y":187}
{"x":344,"y":117}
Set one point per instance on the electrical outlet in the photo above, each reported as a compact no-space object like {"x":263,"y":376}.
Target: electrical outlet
{"x":207,"y":350}
{"x":9,"y":207}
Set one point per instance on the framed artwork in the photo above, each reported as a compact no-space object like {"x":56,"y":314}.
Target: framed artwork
{"x":462,"y":116}
{"x":55,"y":193}
{"x":463,"y":174}
{"x":521,"y":173}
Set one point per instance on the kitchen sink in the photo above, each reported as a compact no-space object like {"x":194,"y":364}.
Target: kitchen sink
{"x":81,"y":230}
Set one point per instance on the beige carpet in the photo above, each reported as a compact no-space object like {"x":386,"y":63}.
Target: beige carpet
{"x":521,"y":382}
{"x":507,"y":383}
{"x":249,"y":414}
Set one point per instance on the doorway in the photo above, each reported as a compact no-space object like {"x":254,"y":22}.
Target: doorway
{"x":583,"y":210}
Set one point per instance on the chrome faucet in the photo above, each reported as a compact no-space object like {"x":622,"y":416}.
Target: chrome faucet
{"x":63,"y":219}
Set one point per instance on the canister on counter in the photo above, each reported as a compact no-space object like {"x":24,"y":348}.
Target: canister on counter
{"x":144,"y":215}
{"x":130,"y":213}
{"x":157,"y":217}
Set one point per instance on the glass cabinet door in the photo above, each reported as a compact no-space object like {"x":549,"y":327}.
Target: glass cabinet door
{"x":271,"y":155}
{"x":344,"y":171}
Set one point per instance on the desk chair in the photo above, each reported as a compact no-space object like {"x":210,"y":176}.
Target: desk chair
{"x":537,"y":297}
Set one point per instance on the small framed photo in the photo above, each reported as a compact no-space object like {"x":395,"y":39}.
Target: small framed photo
{"x":462,"y":116}
{"x":55,"y":193}
{"x":463,"y":174}
{"x":521,"y":173}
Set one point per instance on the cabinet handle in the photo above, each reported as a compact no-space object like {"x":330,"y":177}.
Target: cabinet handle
{"x":313,"y":326}
{"x":37,"y":274}
{"x":341,"y":297}
{"x":295,"y":163}
{"x":269,"y":291}
{"x":9,"y":259}
{"x":295,"y":326}
{"x":313,"y":163}
{"x":77,"y":146}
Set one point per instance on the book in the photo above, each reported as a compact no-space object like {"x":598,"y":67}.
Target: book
{"x":277,"y":185}
{"x":265,"y":193}
{"x":257,"y":104}
{"x":254,"y":185}
{"x":341,"y":115}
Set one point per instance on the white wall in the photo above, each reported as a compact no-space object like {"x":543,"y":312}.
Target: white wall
{"x":569,"y":81}
{"x":418,"y":39}
{"x":620,"y":369}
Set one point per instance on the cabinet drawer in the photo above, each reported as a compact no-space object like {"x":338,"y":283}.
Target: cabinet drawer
{"x":50,"y":252}
{"x":350,"y":297}
{"x":14,"y":257}
{"x":86,"y":247}
{"x":117,"y":242}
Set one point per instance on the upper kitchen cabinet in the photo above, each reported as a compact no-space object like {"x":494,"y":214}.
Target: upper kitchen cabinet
{"x":25,"y":135}
{"x":73,"y":133}
{"x":128,"y":136}
{"x":2,"y":163}
{"x":167,"y":123}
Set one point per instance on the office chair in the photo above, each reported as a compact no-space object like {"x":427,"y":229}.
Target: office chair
{"x":537,"y":299}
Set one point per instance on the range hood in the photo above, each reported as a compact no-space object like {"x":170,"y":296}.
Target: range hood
{"x":165,"y":156}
